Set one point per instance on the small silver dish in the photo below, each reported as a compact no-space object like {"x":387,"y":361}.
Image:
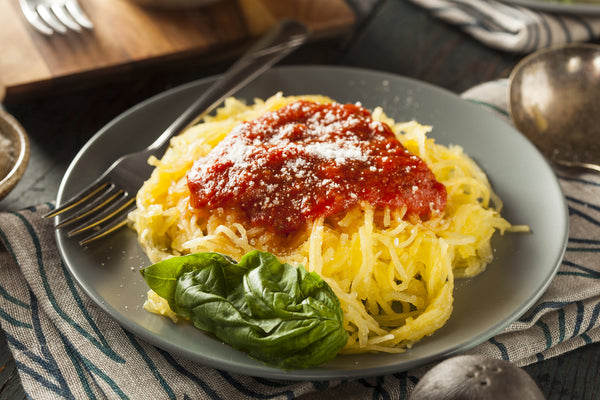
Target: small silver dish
{"x":14,"y":152}
{"x":554,"y":101}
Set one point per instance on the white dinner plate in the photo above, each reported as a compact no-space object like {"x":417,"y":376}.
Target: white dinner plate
{"x":523,"y":267}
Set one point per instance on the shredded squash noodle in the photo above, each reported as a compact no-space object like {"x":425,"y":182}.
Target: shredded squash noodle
{"x":394,"y":276}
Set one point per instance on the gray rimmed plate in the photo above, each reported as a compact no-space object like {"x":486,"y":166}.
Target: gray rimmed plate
{"x":524,"y":264}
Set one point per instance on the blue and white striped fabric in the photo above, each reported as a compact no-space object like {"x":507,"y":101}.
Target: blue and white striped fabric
{"x":67,"y":348}
{"x":513,"y":28}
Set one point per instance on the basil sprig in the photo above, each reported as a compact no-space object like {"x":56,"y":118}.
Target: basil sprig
{"x":279,"y":314}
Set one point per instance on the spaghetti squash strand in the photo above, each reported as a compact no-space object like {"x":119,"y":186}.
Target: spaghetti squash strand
{"x":394,"y":277}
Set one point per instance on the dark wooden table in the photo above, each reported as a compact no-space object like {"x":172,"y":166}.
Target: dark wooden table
{"x":395,"y":36}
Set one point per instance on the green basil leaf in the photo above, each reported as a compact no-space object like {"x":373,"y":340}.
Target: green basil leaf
{"x":162,"y":277}
{"x":277,"y":313}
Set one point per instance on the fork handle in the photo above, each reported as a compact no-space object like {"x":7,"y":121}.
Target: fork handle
{"x":272,"y":47}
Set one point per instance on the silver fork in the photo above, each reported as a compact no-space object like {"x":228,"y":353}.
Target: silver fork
{"x":104,"y":204}
{"x":49,"y":16}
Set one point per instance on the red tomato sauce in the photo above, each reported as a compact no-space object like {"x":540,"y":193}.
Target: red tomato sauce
{"x":309,"y":160}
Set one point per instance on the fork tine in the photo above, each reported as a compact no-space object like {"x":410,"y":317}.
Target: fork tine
{"x":124,"y":203}
{"x":65,"y":17}
{"x":89,"y":192}
{"x":48,"y":16}
{"x":100,"y":202}
{"x":78,"y":14}
{"x":34,"y":19}
{"x":106,"y":230}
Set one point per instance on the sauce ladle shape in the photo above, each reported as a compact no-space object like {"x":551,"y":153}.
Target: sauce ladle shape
{"x":554,"y":100}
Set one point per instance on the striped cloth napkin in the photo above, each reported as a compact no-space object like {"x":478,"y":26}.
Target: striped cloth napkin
{"x":67,"y":348}
{"x":514,"y":28}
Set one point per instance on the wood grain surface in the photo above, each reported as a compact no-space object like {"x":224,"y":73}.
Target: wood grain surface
{"x":126,"y":33}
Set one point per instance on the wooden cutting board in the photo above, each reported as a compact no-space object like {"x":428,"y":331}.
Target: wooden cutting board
{"x":126,"y":34}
